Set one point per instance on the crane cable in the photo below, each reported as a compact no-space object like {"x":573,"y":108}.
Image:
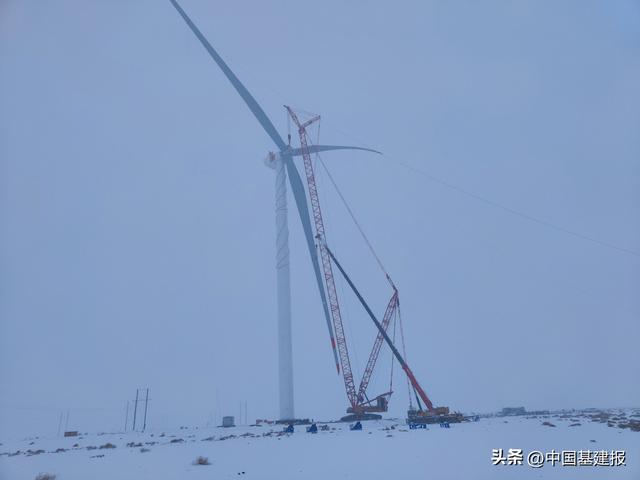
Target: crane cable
{"x":404,"y":352}
{"x":395,"y":318}
{"x":355,"y":221}
{"x":351,"y":214}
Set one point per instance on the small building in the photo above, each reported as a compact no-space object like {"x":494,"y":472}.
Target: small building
{"x":228,"y":421}
{"x":513,"y":411}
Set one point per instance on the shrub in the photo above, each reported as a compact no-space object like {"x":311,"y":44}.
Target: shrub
{"x":45,"y":476}
{"x":201,"y":461}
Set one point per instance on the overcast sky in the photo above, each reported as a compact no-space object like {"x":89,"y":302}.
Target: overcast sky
{"x":137,"y":215}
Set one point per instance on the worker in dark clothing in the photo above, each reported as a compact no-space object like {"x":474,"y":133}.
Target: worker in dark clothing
{"x":356,"y":426}
{"x":289,"y":428}
{"x":313,"y":428}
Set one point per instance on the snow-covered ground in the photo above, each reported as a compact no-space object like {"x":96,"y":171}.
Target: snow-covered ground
{"x":384,"y":449}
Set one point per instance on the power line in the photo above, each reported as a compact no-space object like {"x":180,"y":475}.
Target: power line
{"x":492,"y":203}
{"x":510,"y":210}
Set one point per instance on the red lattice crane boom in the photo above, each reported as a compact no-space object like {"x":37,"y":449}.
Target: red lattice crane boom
{"x":332,"y":295}
{"x":377,"y":344}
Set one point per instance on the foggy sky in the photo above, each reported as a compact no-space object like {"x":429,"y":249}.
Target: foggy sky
{"x":137,"y":215}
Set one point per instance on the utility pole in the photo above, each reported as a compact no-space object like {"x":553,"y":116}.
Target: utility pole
{"x":146,"y":402}
{"x":135,"y":411}
{"x":217,"y":407}
{"x":126,"y":416}
{"x":66,"y":424}
{"x":60,"y":423}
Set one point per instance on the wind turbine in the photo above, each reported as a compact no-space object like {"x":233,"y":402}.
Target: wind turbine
{"x":282,"y":162}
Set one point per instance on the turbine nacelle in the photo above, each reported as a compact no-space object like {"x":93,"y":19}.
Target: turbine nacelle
{"x":272,"y":159}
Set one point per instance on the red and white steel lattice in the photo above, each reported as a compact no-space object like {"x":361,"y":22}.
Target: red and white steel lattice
{"x":332,"y":294}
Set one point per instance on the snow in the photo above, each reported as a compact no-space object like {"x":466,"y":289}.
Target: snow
{"x":384,"y":449}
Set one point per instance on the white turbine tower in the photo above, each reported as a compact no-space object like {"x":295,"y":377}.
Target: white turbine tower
{"x":282,"y":162}
{"x":285,"y":343}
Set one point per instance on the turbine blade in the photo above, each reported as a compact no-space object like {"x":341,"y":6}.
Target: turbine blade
{"x":297,"y":152}
{"x":299,"y":195}
{"x":240,"y":88}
